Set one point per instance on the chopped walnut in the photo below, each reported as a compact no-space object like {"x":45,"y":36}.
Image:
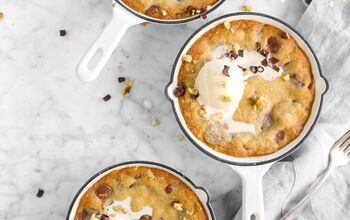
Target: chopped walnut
{"x":227,"y":24}
{"x":150,"y":174}
{"x":247,"y":8}
{"x":187,"y":58}
{"x":164,"y":13}
{"x":286,"y":77}
{"x":188,"y":212}
{"x":216,"y":116}
{"x":120,"y":209}
{"x":180,"y":137}
{"x":261,"y":102}
{"x":226,"y":98}
{"x":155,"y":121}
{"x":202,"y":111}
{"x":193,"y":91}
{"x":177,"y":206}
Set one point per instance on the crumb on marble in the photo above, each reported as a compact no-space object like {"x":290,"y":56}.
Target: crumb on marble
{"x":124,"y":53}
{"x":121,"y":79}
{"x":40,"y":193}
{"x":147,"y":104}
{"x":1,"y":16}
{"x":121,"y":69}
{"x":155,"y":121}
{"x":107,"y":98}
{"x":180,"y":137}
{"x":128,"y":86}
{"x":247,"y":8}
{"x":63,"y":32}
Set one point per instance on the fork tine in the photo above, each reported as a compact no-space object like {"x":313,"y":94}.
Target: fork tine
{"x":341,"y":140}
{"x":345,"y":146}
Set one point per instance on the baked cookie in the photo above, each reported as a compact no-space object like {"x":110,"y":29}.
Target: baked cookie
{"x":171,"y":9}
{"x":245,"y":88}
{"x":140,"y":193}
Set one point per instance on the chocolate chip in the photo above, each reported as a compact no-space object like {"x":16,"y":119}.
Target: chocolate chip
{"x":169,"y":188}
{"x":204,"y":14}
{"x":133,"y":185}
{"x":138,"y":176}
{"x":273,"y":60}
{"x":310,"y":85}
{"x":260,"y":69}
{"x":285,"y":35}
{"x":107,"y":98}
{"x":104,"y":217}
{"x":275,"y":67}
{"x":280,"y":136}
{"x":121,"y":79}
{"x":264,"y":52}
{"x":153,"y":9}
{"x":63,"y":33}
{"x":273,"y":44}
{"x":225,"y":70}
{"x":265,"y":62}
{"x":103,"y":191}
{"x":258,"y":46}
{"x":180,"y":90}
{"x":231,"y":54}
{"x":295,"y":81}
{"x":267,"y":121}
{"x":84,"y":215}
{"x":286,"y":65}
{"x":40,"y":193}
{"x":241,"y":53}
{"x":254,"y":69}
{"x":145,"y":217}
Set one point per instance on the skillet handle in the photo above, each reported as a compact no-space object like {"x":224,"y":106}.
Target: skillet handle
{"x":253,"y":199}
{"x":101,"y":50}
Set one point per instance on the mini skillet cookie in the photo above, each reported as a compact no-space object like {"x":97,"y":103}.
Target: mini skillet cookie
{"x":140,"y":193}
{"x":171,"y":9}
{"x":277,"y":95}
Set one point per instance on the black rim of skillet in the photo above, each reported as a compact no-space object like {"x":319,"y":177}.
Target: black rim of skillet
{"x":140,"y":162}
{"x":195,"y":142}
{"x":179,"y":21}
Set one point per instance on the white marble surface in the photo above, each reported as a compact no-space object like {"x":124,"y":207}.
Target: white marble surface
{"x":56,"y":132}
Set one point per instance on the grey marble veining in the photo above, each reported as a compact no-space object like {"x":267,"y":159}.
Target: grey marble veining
{"x":56,"y":132}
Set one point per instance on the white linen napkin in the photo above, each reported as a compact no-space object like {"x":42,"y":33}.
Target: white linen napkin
{"x":326,"y":26}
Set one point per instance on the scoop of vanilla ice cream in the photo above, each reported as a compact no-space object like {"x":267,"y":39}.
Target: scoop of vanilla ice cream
{"x":218,"y":90}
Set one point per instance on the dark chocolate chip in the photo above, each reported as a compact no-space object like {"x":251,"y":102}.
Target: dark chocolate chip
{"x":169,"y":188}
{"x":241,"y":53}
{"x":138,"y":176}
{"x":265,"y":62}
{"x":104,"y":217}
{"x":103,"y":191}
{"x":40,"y":193}
{"x":180,"y":90}
{"x":107,"y":98}
{"x":267,"y":121}
{"x":275,"y":67}
{"x":225,"y":70}
{"x":257,"y":46}
{"x":63,"y":33}
{"x":285,"y":35}
{"x":133,"y":185}
{"x":286,"y":65}
{"x":295,"y":81}
{"x":310,"y":85}
{"x":84,"y":215}
{"x":121,"y":79}
{"x":254,"y":69}
{"x":231,"y":54}
{"x":280,"y":136}
{"x":145,"y":217}
{"x":264,"y":52}
{"x":204,"y":14}
{"x":153,"y":9}
{"x":273,"y":60}
{"x":260,"y":69}
{"x":273,"y":44}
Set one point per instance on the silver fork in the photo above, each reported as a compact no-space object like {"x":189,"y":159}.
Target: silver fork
{"x":339,"y":155}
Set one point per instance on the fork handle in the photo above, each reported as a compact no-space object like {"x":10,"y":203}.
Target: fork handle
{"x":316,"y":186}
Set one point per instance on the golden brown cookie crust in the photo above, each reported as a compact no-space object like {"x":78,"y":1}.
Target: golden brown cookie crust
{"x":170,"y":9}
{"x":278,"y":109}
{"x":146,"y":187}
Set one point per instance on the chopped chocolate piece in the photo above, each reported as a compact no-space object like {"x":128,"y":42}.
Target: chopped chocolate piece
{"x":286,"y":65}
{"x":260,"y":69}
{"x":275,"y":67}
{"x":273,"y":60}
{"x":244,"y":69}
{"x":84,"y":215}
{"x":265,"y":62}
{"x":258,"y":46}
{"x":169,"y":188}
{"x":285,"y":35}
{"x":225,"y":70}
{"x":40,"y":193}
{"x":280,"y":136}
{"x":63,"y":33}
{"x":264,"y":52}
{"x":231,"y":54}
{"x":153,"y":9}
{"x":138,"y":176}
{"x":180,"y":90}
{"x":133,"y":184}
{"x":204,"y":14}
{"x":267,"y":121}
{"x":254,"y":69}
{"x":241,"y":53}
{"x":295,"y":81}
{"x":107,"y":98}
{"x":310,"y":85}
{"x":104,"y":217}
{"x":273,"y":44}
{"x":103,"y":191}
{"x":121,"y":79}
{"x":145,"y":217}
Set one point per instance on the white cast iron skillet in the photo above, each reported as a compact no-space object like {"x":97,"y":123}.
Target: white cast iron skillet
{"x":251,"y":169}
{"x":201,"y":193}
{"x":123,"y":17}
